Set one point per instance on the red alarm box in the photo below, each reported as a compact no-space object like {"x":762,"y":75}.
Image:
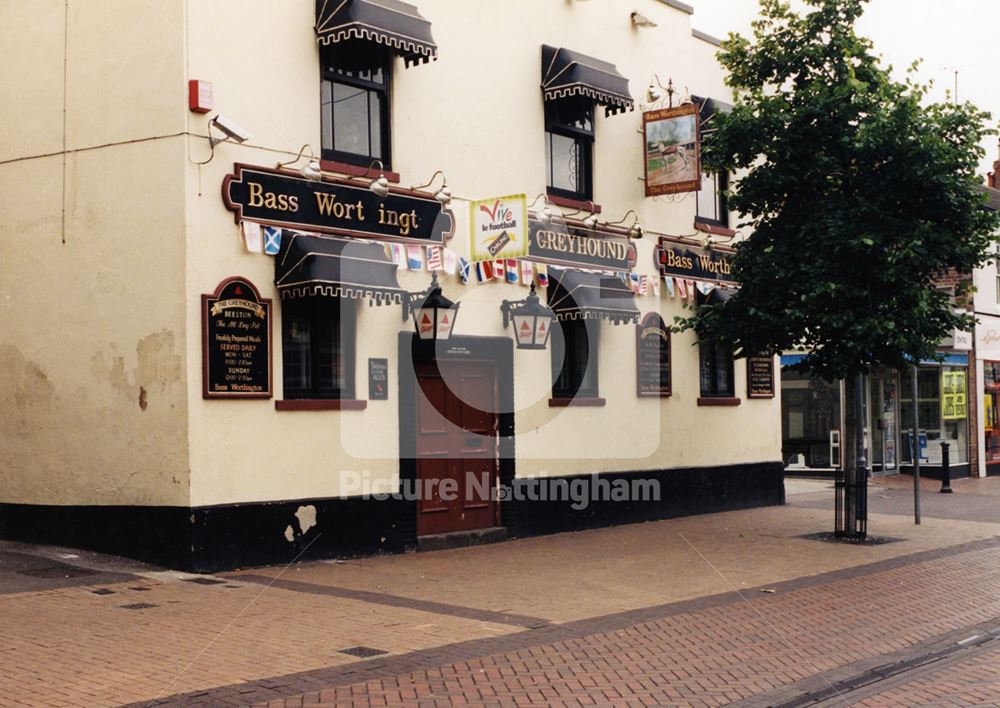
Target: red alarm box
{"x":200,"y":96}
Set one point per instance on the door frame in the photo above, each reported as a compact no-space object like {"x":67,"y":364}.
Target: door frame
{"x":413,"y":351}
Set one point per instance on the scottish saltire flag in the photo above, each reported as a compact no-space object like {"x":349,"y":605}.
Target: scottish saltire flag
{"x":466,"y":269}
{"x":413,"y":258}
{"x":542,"y":271}
{"x":252,"y":237}
{"x":669,"y":283}
{"x":526,"y":273}
{"x":450,"y":261}
{"x":434,"y":258}
{"x":272,"y":240}
{"x":512,"y":274}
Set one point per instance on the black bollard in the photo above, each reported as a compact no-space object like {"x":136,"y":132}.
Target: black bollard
{"x":945,"y":470}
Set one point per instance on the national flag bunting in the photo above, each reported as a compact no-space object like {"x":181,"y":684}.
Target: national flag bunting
{"x":669,"y":283}
{"x":252,"y":237}
{"x":542,"y":272}
{"x":654,"y":284}
{"x":272,"y":240}
{"x":498,"y":268}
{"x":434,"y":258}
{"x":511,"y":268}
{"x":465,"y":268}
{"x":450,"y":261}
{"x":526,"y":273}
{"x":413,"y":259}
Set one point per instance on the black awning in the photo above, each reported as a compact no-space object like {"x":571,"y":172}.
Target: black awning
{"x":568,"y":73}
{"x":394,"y":24}
{"x":577,"y":294}
{"x":311,"y":266}
{"x":707,"y":109}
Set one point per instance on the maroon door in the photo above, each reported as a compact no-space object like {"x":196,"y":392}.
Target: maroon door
{"x":457,"y":439}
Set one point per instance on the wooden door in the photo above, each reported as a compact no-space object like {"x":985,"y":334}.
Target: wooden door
{"x":457,"y":440}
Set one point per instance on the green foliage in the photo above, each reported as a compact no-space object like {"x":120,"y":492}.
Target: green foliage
{"x":858,"y":195}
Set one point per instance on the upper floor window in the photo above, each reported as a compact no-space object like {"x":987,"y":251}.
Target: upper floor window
{"x":711,"y":202}
{"x":569,"y":147}
{"x":354,"y":97}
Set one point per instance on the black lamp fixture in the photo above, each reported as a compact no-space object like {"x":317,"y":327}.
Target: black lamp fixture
{"x":433,"y":314}
{"x":532,"y":320}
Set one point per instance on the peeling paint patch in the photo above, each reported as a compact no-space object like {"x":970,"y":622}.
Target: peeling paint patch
{"x":306,"y":516}
{"x":289,"y":533}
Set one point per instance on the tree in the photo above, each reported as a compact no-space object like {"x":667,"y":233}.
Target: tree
{"x":859,"y":196}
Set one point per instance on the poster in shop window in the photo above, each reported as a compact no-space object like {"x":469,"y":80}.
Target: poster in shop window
{"x":236,"y":341}
{"x":953,"y":403}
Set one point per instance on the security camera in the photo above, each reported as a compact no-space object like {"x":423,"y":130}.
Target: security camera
{"x":231,"y":129}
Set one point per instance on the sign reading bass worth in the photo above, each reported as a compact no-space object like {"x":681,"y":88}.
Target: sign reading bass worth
{"x":693,"y":262}
{"x":338,"y":207}
{"x":236,"y":341}
{"x":583,"y":248}
{"x":498,"y":228}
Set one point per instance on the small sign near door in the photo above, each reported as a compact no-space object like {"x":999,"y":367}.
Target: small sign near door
{"x":378,"y":379}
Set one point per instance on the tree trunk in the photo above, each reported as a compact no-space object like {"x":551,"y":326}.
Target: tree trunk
{"x":852,"y":514}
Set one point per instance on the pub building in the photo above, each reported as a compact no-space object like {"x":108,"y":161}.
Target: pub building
{"x":329,"y":278}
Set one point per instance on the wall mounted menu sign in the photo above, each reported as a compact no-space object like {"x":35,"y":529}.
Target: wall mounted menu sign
{"x":585,"y":248}
{"x":337,"y":207}
{"x":652,"y":353}
{"x":236,"y":341}
{"x":694,"y":263}
{"x":378,"y":379}
{"x":760,"y":377}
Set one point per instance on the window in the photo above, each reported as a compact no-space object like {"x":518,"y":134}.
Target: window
{"x":996,"y":265}
{"x":716,"y":367}
{"x":318,"y":347}
{"x":569,"y":147}
{"x":711,"y":203}
{"x":354,"y":97}
{"x":574,"y":359}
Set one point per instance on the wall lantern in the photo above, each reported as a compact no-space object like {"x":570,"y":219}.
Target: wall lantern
{"x":380,"y":185}
{"x":443,"y":195}
{"x":532,"y":320}
{"x":311,"y":170}
{"x":433,"y":314}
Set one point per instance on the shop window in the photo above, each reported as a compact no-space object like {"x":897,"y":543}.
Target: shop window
{"x":939,"y":388}
{"x":569,"y":147}
{"x":318,"y":347}
{"x":810,"y":420}
{"x":996,"y":266}
{"x":354,"y":97}
{"x":716,"y":368}
{"x":574,"y":359}
{"x":711,"y":201}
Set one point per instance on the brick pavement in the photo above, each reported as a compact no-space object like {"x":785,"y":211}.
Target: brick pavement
{"x":635,"y":610}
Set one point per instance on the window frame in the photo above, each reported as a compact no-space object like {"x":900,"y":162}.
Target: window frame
{"x":343,"y":314}
{"x":584,"y":140}
{"x":709,"y":352}
{"x":720,"y":181}
{"x":327,"y":60}
{"x":564,"y":355}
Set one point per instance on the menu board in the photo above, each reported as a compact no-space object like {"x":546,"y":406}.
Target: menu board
{"x":236,"y":341}
{"x":760,"y":377}
{"x":652,"y":351}
{"x":378,"y":379}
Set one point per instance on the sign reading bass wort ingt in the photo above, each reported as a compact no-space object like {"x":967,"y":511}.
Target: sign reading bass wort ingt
{"x":270,"y":196}
{"x":692,"y":262}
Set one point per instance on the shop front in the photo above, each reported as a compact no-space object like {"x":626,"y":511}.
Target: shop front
{"x":988,"y":357}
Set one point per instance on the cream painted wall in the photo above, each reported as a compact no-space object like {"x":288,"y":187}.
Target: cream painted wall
{"x":477,"y":114}
{"x":92,"y":382}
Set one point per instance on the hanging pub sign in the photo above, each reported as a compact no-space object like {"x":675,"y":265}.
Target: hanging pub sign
{"x":760,"y":377}
{"x":498,"y":228}
{"x":337,"y":207}
{"x":563,"y":245}
{"x":652,"y":354}
{"x":693,"y":262}
{"x":236,"y":341}
{"x":672,"y":147}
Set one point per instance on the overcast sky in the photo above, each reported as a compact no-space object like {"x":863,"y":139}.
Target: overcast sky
{"x":946,"y":34}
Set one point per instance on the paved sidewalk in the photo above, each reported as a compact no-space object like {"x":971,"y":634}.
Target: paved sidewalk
{"x":673,"y":612}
